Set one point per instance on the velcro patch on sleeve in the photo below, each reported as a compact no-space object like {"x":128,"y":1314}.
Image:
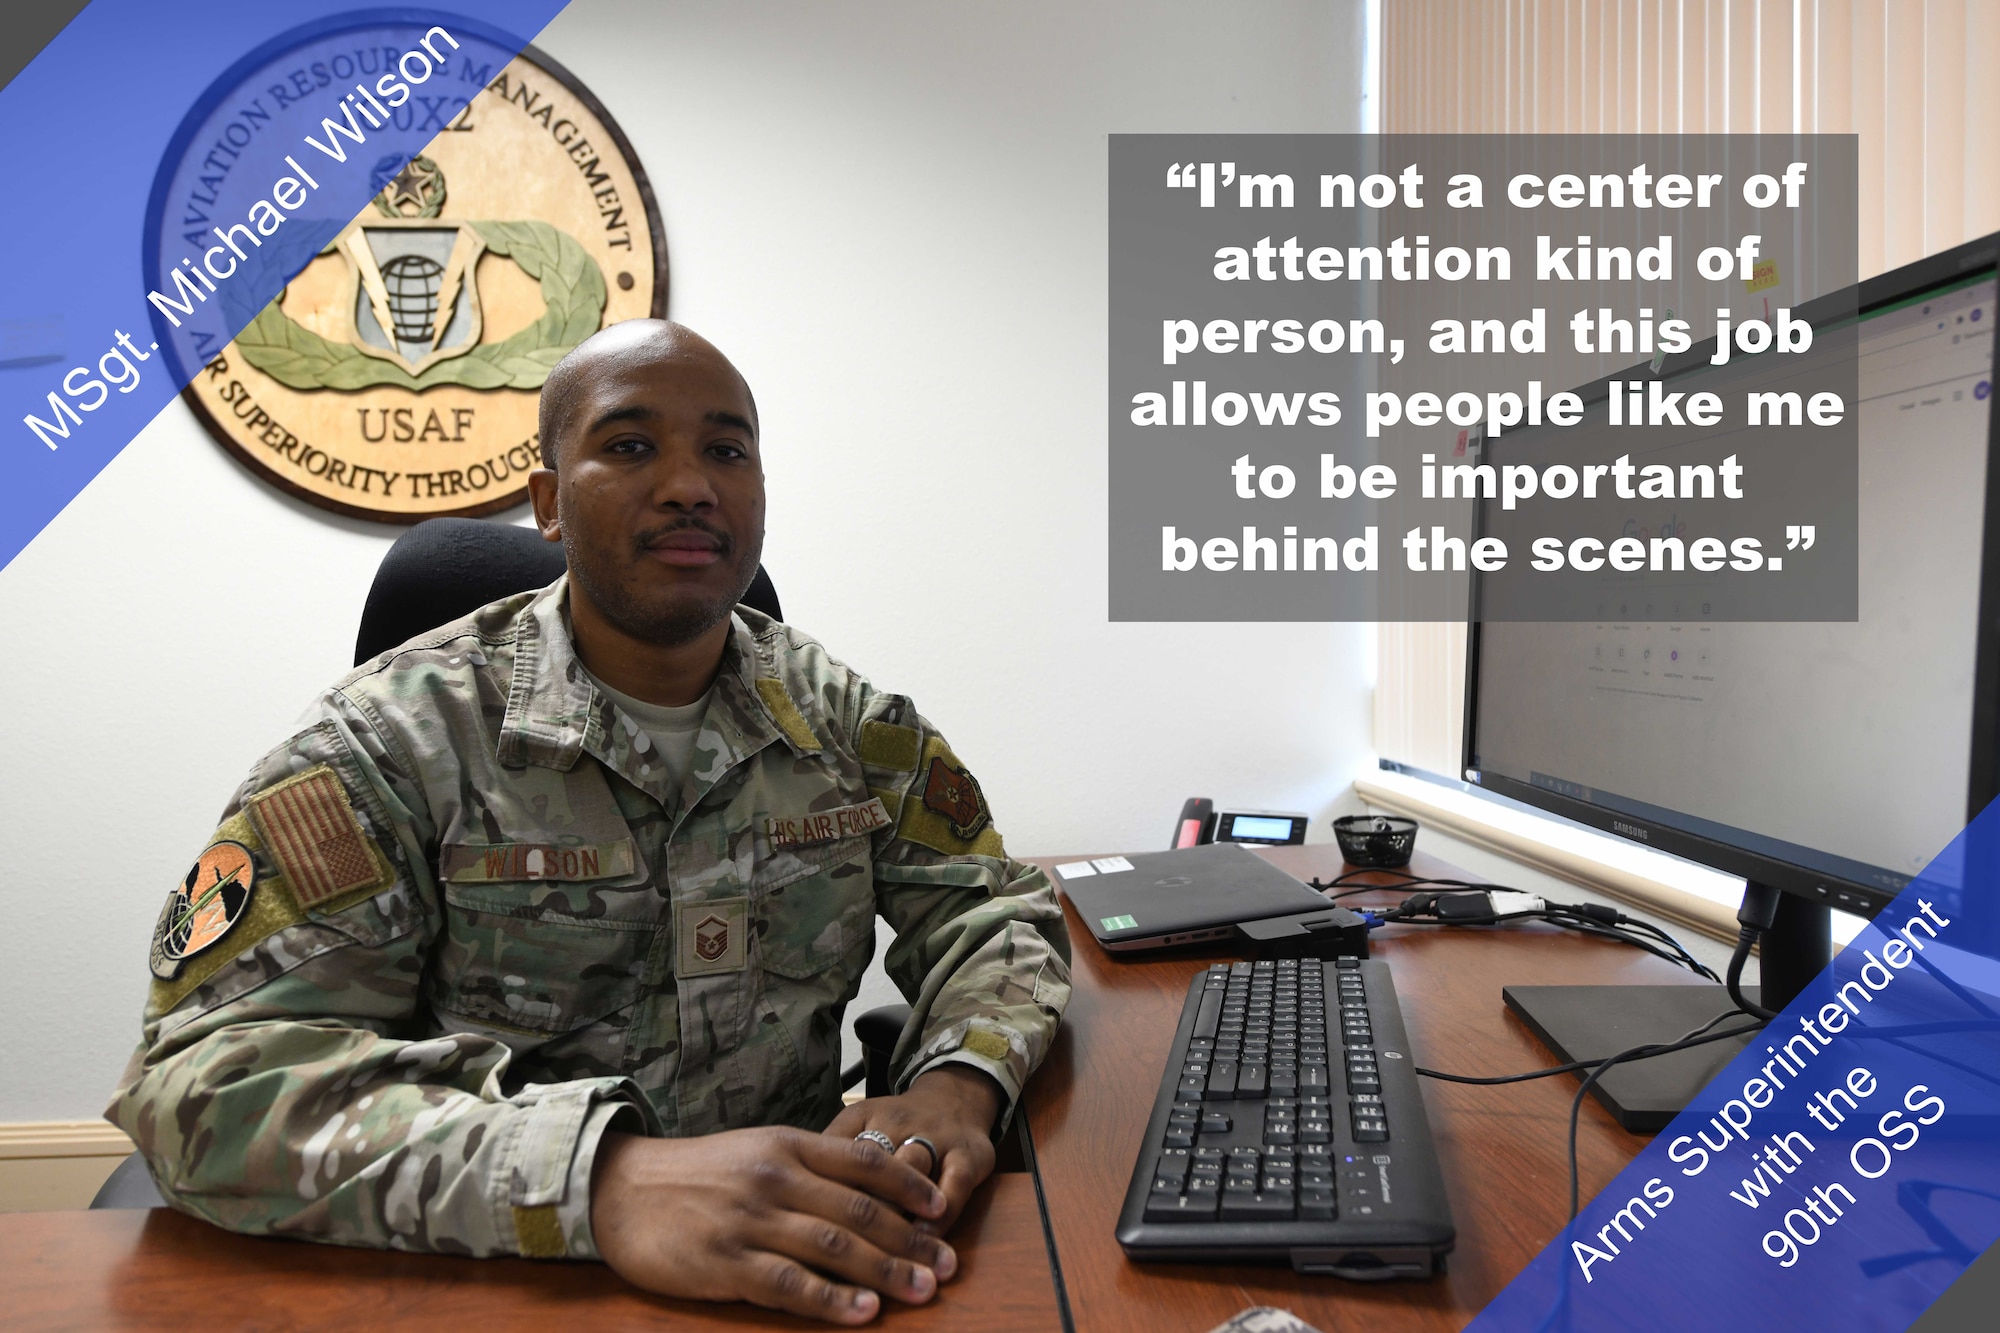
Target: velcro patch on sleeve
{"x":539,"y":1232}
{"x":886,"y":745}
{"x":849,"y":821}
{"x":989,"y":1044}
{"x":312,"y":834}
{"x":495,"y":863}
{"x":944,"y":809}
{"x":778,"y":701}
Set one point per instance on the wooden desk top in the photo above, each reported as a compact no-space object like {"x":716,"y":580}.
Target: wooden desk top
{"x":155,"y":1269}
{"x":1504,"y":1150}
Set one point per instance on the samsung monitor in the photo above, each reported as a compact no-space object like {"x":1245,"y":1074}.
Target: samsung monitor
{"x":1828,"y":760}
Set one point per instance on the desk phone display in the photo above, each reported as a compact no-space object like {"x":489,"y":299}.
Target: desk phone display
{"x":1201,"y":823}
{"x":1276,"y":1136}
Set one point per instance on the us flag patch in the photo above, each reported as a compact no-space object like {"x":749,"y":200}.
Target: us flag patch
{"x":311,"y":832}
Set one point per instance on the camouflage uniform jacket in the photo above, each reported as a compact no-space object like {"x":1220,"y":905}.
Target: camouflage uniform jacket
{"x":459,"y":923}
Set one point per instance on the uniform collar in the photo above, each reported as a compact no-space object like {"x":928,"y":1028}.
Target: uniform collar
{"x":556,"y":713}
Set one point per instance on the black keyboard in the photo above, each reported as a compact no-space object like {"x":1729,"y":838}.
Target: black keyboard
{"x":1289,"y":1126}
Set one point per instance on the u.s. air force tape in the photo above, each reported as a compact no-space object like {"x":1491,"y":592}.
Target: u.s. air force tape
{"x":825,"y":825}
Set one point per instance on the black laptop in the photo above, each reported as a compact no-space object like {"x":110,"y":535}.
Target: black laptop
{"x":1154,"y":899}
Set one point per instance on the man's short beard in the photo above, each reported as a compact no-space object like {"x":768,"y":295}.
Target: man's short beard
{"x":670,"y":626}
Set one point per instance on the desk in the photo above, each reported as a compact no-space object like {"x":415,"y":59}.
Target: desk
{"x":155,"y":1269}
{"x":1503,"y":1149}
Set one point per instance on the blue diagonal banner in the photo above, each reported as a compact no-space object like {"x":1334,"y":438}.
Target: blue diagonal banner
{"x":175,"y":166}
{"x":1842,"y":1172}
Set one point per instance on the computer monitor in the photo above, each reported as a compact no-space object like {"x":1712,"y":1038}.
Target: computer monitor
{"x":1827,"y":760}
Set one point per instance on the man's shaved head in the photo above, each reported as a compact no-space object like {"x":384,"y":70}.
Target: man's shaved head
{"x":651,"y":479}
{"x":632,"y":339}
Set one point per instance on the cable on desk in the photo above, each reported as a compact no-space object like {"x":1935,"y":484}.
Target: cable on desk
{"x":1455,"y":902}
{"x":1346,"y":875}
{"x":1577,"y":1066}
{"x":1048,"y":1225}
{"x":1366,"y":888}
{"x":1700,"y":1036}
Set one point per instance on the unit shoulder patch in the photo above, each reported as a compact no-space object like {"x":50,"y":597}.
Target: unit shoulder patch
{"x":314,"y":836}
{"x":952,"y":792}
{"x":944,"y":809}
{"x":205,"y":907}
{"x":231,"y":897}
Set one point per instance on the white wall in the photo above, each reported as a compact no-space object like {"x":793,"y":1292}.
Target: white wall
{"x":892,"y":215}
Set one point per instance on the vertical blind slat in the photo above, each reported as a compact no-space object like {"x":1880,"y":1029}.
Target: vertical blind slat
{"x":1899,"y":74}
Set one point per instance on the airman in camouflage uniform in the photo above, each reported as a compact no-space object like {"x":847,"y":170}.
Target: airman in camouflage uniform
{"x":460,"y":923}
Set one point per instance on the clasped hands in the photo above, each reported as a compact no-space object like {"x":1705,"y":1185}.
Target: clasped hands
{"x":822,"y":1225}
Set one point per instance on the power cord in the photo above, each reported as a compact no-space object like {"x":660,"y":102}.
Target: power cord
{"x":1759,"y":910}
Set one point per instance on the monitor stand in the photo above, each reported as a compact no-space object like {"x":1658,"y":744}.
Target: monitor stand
{"x":1592,"y":1022}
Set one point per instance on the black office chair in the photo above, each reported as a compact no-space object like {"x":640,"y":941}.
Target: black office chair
{"x":439,"y":570}
{"x":130,"y":1185}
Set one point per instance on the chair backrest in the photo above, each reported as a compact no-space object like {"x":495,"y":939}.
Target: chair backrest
{"x":444,"y":568}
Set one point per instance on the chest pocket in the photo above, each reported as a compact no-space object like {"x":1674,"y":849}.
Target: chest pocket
{"x":813,"y":920}
{"x":544,"y":956}
{"x":549,"y":925}
{"x":813,"y":913}
{"x":538,"y":974}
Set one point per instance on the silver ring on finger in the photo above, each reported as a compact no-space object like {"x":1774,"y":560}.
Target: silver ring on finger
{"x":930,"y":1172}
{"x":878,"y":1138}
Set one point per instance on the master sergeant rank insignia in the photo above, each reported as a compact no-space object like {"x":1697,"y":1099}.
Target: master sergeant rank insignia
{"x":710,"y":937}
